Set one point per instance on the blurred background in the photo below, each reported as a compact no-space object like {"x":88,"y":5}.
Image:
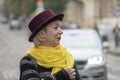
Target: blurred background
{"x":101,"y":15}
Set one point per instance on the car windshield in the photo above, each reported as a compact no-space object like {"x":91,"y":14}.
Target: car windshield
{"x":81,"y":40}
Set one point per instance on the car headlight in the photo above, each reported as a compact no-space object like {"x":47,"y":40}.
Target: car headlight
{"x":95,"y":60}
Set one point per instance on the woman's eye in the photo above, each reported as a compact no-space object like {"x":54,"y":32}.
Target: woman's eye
{"x":55,"y":27}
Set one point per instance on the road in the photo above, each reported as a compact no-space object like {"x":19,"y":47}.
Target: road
{"x":14,"y":43}
{"x":12,"y":46}
{"x":113,"y":66}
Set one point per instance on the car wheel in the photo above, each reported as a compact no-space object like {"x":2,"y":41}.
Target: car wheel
{"x":11,"y":27}
{"x":105,"y":75}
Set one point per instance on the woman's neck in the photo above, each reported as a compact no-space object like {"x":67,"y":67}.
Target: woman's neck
{"x":48,"y":45}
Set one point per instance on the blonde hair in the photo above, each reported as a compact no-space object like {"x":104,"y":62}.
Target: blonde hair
{"x":37,"y":40}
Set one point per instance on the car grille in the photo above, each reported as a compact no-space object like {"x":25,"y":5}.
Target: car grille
{"x":80,"y":64}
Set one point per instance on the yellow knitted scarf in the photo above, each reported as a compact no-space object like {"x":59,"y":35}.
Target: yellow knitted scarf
{"x":56,"y":58}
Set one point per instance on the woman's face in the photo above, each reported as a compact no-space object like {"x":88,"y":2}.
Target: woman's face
{"x":52,"y":33}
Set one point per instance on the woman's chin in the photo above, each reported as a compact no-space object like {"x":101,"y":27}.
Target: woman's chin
{"x":55,"y":44}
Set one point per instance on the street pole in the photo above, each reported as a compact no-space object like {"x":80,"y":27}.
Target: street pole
{"x":116,"y":28}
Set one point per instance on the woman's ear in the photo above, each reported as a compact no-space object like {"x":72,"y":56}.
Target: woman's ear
{"x":42,"y":35}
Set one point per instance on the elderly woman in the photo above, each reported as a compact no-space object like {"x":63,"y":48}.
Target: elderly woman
{"x":48,"y":59}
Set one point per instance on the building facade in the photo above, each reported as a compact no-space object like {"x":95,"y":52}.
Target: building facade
{"x":87,"y":13}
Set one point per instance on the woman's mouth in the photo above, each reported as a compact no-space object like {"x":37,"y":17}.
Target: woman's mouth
{"x":59,"y":38}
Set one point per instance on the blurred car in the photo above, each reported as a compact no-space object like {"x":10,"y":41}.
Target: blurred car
{"x":86,"y":48}
{"x":3,"y":19}
{"x":105,"y":30}
{"x":70,"y":25}
{"x":15,"y":24}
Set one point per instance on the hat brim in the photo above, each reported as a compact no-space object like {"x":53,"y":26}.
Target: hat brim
{"x":59,"y":17}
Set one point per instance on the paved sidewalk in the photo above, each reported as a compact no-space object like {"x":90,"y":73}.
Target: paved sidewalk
{"x":115,"y":51}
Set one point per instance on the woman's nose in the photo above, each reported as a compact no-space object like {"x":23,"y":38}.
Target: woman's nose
{"x":60,"y":31}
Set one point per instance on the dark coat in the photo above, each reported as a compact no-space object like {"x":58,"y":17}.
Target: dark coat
{"x":29,"y":70}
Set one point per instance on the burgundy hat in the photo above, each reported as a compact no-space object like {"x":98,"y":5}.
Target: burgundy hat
{"x":41,"y":20}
